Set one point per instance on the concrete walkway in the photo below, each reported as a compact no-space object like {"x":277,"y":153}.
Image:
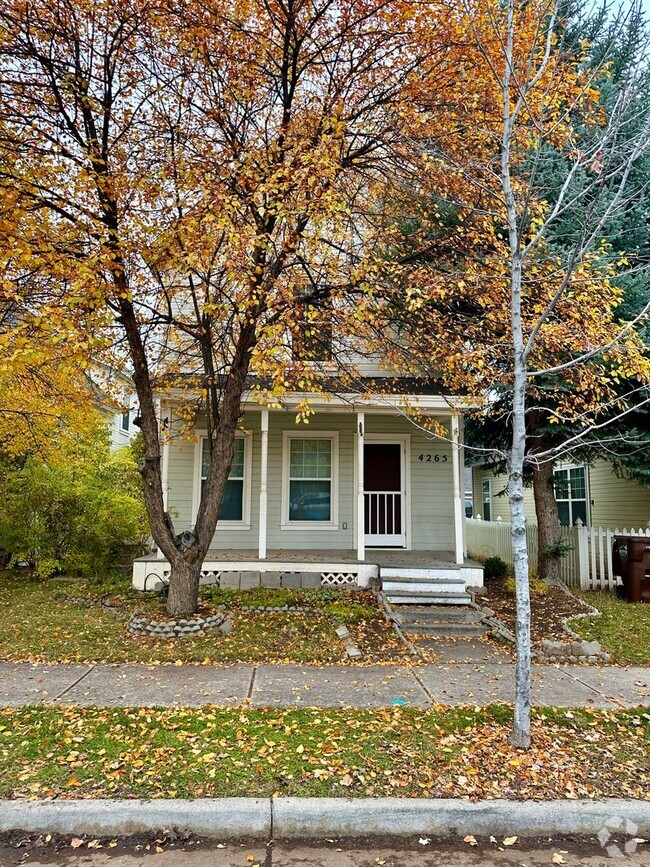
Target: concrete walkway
{"x":320,"y":686}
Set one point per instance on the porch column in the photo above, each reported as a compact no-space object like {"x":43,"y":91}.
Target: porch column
{"x":458,"y":503}
{"x":165,"y":428}
{"x":361,"y":544}
{"x":264,"y":472}
{"x":165,"y":435}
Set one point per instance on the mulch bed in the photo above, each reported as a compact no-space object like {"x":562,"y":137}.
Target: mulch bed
{"x":547,"y":610}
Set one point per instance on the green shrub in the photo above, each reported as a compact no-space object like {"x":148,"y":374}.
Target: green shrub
{"x":494,"y":568}
{"x":83,"y":515}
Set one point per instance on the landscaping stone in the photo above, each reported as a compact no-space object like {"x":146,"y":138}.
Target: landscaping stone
{"x":311,"y":580}
{"x":229,"y":581}
{"x":226,"y":627}
{"x":273,"y":580}
{"x":591,"y":648}
{"x":248,"y":580}
{"x":292,"y":580}
{"x":554,"y":648}
{"x":173,"y":628}
{"x":342,"y":631}
{"x":573,"y":651}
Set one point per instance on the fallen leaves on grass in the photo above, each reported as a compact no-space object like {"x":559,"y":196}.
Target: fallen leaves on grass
{"x":547,"y":610}
{"x":406,"y":752}
{"x":41,"y":625}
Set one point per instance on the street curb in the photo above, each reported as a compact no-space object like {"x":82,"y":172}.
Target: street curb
{"x":295,"y":818}
{"x":400,"y":817}
{"x":224,"y":817}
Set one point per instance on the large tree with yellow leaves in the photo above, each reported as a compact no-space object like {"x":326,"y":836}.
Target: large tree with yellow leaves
{"x":211,"y":173}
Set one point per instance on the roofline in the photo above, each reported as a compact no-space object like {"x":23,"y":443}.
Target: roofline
{"x":346,"y":402}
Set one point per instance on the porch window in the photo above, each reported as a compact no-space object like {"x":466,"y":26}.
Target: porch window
{"x":232,"y":504}
{"x":310,"y":479}
{"x":487,"y":500}
{"x":571,"y":495}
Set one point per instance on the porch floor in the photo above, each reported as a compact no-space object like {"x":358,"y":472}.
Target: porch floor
{"x":376,"y":556}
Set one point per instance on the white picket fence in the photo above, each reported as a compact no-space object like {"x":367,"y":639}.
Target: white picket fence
{"x":588,"y":563}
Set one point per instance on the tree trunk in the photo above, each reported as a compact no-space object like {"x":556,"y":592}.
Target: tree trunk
{"x":520,"y":735}
{"x":184,"y":579}
{"x":548,"y":524}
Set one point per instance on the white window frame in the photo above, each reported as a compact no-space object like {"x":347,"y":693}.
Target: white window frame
{"x":333,"y":523}
{"x":570,"y":500}
{"x":245,"y":523}
{"x":483,"y":500}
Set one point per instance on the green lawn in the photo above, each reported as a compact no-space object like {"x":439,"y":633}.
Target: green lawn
{"x":200,"y":752}
{"x":623,"y":630}
{"x":43,"y":622}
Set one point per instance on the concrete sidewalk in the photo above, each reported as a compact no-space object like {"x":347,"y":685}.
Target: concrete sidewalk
{"x":267,"y":685}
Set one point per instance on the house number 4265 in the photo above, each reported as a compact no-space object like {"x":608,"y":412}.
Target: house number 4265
{"x":435,"y":458}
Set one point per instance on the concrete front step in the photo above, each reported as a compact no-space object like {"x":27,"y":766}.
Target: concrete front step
{"x":408,"y":597}
{"x":403,"y":573}
{"x":454,"y":629}
{"x":440,"y":614}
{"x":429,"y":587}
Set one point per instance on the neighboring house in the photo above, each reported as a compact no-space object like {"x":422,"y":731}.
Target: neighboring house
{"x":114,"y":396}
{"x":122,"y":429}
{"x":358,"y":490}
{"x":592,"y":493}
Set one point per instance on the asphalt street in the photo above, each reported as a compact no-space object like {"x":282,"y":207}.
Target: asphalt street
{"x":422,"y":852}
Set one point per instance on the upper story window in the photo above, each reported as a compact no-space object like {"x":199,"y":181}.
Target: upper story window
{"x":487,"y":500}
{"x":571,"y":495}
{"x":233,"y":504}
{"x":125,"y":421}
{"x":311,"y":339}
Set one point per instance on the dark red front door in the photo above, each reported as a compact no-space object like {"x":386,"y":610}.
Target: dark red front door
{"x":382,"y":482}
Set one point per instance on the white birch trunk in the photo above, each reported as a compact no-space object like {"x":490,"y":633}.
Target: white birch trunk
{"x":521,"y":724}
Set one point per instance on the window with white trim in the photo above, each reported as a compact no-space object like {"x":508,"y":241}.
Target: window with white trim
{"x":571,"y":495}
{"x":487,"y":500}
{"x":232,"y":504}
{"x":310,"y":479}
{"x":125,"y":421}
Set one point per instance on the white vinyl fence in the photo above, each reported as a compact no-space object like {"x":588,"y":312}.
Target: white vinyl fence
{"x":587,"y":564}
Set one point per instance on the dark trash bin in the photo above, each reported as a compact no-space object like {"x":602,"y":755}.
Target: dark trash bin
{"x":631,"y":560}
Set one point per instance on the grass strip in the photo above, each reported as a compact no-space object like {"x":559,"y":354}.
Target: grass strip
{"x":623,"y":630}
{"x":212,"y":752}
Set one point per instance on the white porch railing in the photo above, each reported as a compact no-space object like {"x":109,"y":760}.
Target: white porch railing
{"x":383,"y":513}
{"x":588,"y":563}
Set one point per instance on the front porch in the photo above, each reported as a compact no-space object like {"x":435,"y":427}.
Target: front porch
{"x":244,"y":569}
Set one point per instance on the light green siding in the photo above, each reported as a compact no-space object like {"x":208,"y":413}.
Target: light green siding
{"x":617,"y":502}
{"x":499,"y":495}
{"x":430,"y":483}
{"x":614,"y":502}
